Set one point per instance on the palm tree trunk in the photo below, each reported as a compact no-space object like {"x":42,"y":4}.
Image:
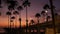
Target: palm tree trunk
{"x":8,"y":21}
{"x":38,"y":26}
{"x":47,"y":18}
{"x":20,"y":22}
{"x":16,"y":21}
{"x":26,"y":20}
{"x":20,"y":19}
{"x":52,"y":13}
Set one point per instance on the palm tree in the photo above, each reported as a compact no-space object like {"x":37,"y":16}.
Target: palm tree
{"x":16,"y":13}
{"x":10,"y":8}
{"x":9,"y":15}
{"x":12,"y":4}
{"x":32,"y":21}
{"x":46,"y":6}
{"x":38,"y":16}
{"x":43,"y":13}
{"x":52,"y":13}
{"x":12,"y":18}
{"x":11,"y":24}
{"x":26,"y":3}
{"x":19,"y":8}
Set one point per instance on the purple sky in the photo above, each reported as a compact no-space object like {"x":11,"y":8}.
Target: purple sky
{"x":36,"y":7}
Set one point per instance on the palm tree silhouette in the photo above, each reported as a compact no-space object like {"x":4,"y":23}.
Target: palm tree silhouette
{"x":12,"y":18}
{"x":32,"y":22}
{"x":10,"y":7}
{"x":9,"y":15}
{"x":26,"y":3}
{"x":16,"y":13}
{"x":38,"y":16}
{"x":46,"y":6}
{"x":19,"y":8}
{"x":43,"y":13}
{"x":11,"y":24}
{"x":12,"y":4}
{"x":52,"y":13}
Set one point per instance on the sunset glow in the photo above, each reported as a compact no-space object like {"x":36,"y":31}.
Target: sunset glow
{"x":36,"y":7}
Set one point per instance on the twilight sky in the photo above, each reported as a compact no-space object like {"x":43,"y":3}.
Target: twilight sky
{"x":36,"y":7}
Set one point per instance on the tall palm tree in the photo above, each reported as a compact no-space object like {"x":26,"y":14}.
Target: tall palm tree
{"x":16,"y":13}
{"x":38,"y":16}
{"x":9,"y":15}
{"x":12,"y":24}
{"x":19,"y":8}
{"x":52,"y":13}
{"x":26,"y":3}
{"x":11,"y":5}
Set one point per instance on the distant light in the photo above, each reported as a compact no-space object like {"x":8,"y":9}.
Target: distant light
{"x":46,"y":11}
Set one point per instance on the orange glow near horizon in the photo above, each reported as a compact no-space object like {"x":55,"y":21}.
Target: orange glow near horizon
{"x":4,"y":22}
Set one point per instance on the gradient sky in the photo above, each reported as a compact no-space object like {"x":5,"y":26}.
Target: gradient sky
{"x":36,"y":7}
